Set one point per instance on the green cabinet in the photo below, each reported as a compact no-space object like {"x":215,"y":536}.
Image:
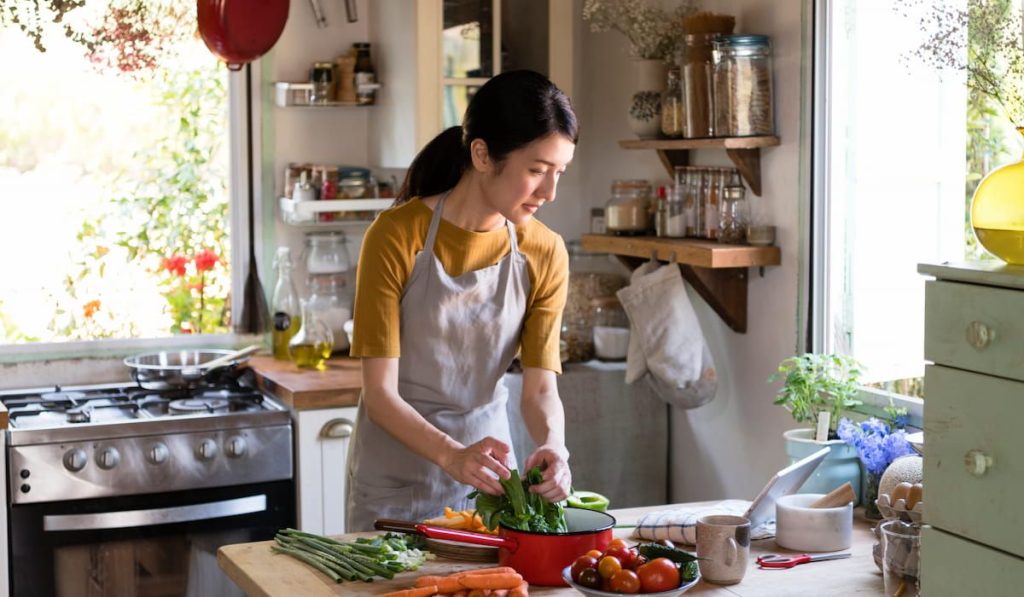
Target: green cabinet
{"x":974,"y":442}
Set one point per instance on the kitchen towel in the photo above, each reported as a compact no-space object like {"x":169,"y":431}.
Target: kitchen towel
{"x":680,"y":524}
{"x":665,"y":337}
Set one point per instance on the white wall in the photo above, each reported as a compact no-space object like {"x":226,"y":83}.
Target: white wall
{"x":731,"y":446}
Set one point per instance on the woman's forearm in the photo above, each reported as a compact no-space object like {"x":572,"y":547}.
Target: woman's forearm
{"x":542,"y":408}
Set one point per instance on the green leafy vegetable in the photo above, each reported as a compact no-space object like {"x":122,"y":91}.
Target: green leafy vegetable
{"x":362,"y":559}
{"x":518,"y":508}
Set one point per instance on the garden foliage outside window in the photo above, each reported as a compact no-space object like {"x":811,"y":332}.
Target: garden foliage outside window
{"x":114,"y":171}
{"x":907,"y":137}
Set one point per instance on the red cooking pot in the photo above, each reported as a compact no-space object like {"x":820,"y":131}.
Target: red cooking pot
{"x":538,"y":557}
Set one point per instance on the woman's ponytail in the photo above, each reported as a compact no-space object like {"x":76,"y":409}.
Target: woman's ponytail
{"x":437,"y":167}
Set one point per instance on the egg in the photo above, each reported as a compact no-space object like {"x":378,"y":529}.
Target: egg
{"x":915,"y":495}
{"x":900,"y":492}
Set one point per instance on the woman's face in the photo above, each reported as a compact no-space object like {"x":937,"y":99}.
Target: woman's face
{"x":526,"y":180}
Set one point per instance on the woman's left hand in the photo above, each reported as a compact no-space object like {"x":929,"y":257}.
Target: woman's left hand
{"x":554,"y":463}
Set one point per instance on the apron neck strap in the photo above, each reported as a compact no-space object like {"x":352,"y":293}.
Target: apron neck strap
{"x":435,"y":223}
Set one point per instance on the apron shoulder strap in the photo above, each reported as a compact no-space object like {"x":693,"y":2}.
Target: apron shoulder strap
{"x":435,"y":223}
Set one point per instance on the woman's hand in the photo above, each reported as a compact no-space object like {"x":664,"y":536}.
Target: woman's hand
{"x":554,"y":463}
{"x":480,"y":465}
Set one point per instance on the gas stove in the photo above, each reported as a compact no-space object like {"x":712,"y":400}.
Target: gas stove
{"x":67,"y":443}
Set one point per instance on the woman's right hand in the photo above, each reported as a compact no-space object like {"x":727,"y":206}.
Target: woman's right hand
{"x":480,"y":465}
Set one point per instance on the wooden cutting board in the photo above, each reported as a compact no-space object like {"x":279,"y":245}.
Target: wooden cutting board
{"x":338,"y":384}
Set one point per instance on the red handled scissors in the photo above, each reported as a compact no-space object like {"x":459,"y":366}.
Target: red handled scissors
{"x":780,"y":562}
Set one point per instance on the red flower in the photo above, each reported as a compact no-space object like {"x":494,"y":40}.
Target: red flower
{"x":90,"y":308}
{"x":175,"y":264}
{"x":198,"y":286}
{"x":205,"y":260}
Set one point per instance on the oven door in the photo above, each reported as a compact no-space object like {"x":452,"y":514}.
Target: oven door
{"x":142,"y":545}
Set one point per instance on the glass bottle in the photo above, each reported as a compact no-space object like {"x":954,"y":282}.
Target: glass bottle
{"x":311,"y":346}
{"x":743,"y":86}
{"x":330,"y":298}
{"x":364,"y":74}
{"x":713,"y":198}
{"x":672,"y":106}
{"x":702,"y":186}
{"x":697,"y":89}
{"x":689,"y":201}
{"x":285,"y":305}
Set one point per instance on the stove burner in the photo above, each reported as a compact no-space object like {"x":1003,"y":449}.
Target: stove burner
{"x":198,"y":405}
{"x":78,"y":414}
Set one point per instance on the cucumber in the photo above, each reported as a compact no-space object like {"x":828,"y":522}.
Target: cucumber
{"x":653,"y":550}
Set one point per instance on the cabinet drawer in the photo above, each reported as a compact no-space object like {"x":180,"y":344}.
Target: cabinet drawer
{"x":968,"y":418}
{"x":954,"y":566}
{"x":978,"y":328}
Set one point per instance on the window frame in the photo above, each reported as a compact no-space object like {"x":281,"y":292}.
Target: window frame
{"x":819,"y":280}
{"x":237,"y":220}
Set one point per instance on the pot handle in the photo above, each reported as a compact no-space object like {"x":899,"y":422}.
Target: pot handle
{"x":467,"y":537}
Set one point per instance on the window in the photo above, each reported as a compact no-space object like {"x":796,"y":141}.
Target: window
{"x":899,"y":149}
{"x":115,"y":170}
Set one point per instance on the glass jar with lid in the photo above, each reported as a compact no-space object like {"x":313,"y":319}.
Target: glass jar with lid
{"x":744,"y":105}
{"x":326,"y":253}
{"x":735,"y":216}
{"x":611,"y":329}
{"x":331,"y":297}
{"x":591,"y":275}
{"x":629,"y":211}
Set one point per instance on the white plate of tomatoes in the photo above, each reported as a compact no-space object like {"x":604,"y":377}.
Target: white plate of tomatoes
{"x":620,"y":569}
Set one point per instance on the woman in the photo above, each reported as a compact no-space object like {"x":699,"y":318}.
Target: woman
{"x":452,"y":282}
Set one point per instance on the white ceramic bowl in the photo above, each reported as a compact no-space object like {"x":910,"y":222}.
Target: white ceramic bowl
{"x":801,"y":528}
{"x":347,"y":326}
{"x":567,"y":577}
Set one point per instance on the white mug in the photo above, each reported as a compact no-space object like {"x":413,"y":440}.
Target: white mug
{"x":723,"y":544}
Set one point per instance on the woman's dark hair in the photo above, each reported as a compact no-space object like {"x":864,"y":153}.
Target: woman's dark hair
{"x":509,"y":111}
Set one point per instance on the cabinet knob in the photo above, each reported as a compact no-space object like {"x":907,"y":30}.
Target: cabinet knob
{"x":337,"y":429}
{"x":977,"y":462}
{"x":980,"y":335}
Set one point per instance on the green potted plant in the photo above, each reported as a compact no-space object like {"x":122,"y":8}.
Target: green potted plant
{"x":814,"y":384}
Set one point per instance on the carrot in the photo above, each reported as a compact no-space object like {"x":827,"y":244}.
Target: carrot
{"x":477,"y":593}
{"x":449,"y":585}
{"x":427,"y":580}
{"x":462,"y":593}
{"x":491,"y":581}
{"x":522,"y":590}
{"x":416,"y":592}
{"x":499,"y":593}
{"x":495,"y":570}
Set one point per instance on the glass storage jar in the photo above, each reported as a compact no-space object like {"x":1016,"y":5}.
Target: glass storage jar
{"x":326,"y":253}
{"x":330,"y":297}
{"x":611,"y":329}
{"x":735,"y":217}
{"x":672,"y":106}
{"x":629,"y":209}
{"x":744,"y":105}
{"x":698,"y":94}
{"x":591,"y":275}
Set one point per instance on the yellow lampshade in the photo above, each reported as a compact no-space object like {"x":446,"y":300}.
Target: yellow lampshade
{"x":997,"y":212}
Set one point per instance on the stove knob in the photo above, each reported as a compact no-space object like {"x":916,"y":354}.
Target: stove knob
{"x":75,"y":459}
{"x":206,"y":450}
{"x":157,"y":453}
{"x":236,"y":446}
{"x":108,"y":458}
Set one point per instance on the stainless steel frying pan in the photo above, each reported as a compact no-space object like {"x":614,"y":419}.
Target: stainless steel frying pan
{"x":182,"y":368}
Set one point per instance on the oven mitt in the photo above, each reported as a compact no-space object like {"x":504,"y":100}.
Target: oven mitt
{"x":666,"y":339}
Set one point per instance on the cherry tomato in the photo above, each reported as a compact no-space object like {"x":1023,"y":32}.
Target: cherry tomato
{"x":617,"y":543}
{"x":608,"y":566}
{"x":581,"y":564}
{"x":625,"y":581}
{"x":622,"y":554}
{"x":595,"y":553}
{"x":640,"y":561}
{"x":660,"y":574}
{"x":590,"y":579}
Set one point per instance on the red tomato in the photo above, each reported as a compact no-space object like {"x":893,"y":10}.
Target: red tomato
{"x":622,"y":554}
{"x":581,"y":564}
{"x":608,"y":566}
{"x":628,"y":558}
{"x":659,"y":574}
{"x":625,"y":581}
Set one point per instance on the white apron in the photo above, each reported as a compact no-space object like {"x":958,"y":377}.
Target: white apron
{"x":458,"y":337}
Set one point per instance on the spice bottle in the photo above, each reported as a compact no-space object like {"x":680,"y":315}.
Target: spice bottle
{"x":323,"y":80}
{"x":285,"y":305}
{"x":672,"y":106}
{"x":713,"y":202}
{"x":661,"y":213}
{"x":743,"y":86}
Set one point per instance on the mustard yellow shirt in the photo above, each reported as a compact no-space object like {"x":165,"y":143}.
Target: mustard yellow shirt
{"x":386,"y":260}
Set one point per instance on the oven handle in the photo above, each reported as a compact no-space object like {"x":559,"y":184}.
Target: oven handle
{"x":144,"y":518}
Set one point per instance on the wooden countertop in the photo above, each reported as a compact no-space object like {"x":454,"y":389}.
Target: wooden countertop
{"x":261,"y":573}
{"x":338,"y":384}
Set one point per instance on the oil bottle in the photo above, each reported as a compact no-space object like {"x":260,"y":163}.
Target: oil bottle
{"x":312,"y":345}
{"x":285,"y":306}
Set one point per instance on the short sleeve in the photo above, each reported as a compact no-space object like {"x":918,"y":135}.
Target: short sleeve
{"x":543,"y":324}
{"x":385,"y":263}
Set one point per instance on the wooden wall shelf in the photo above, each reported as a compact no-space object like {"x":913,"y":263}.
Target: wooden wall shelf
{"x":745,"y":153}
{"x":718,"y":272}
